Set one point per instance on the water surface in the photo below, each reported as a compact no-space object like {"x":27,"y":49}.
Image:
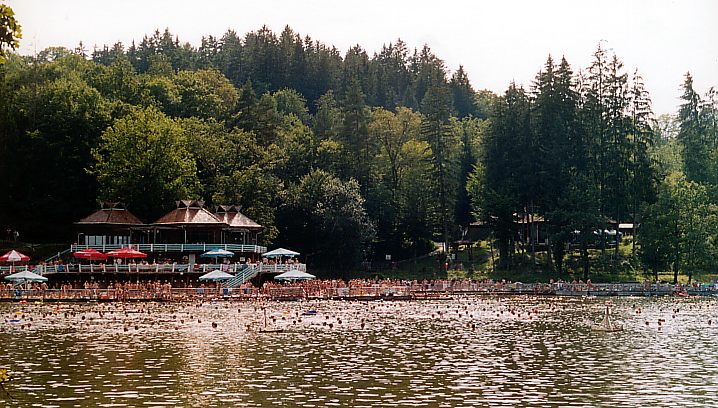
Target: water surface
{"x":465,"y":352}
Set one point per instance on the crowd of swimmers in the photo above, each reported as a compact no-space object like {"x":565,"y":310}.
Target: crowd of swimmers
{"x":318,"y":289}
{"x":165,"y":290}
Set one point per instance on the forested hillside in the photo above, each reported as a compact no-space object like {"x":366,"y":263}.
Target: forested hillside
{"x":350,"y":157}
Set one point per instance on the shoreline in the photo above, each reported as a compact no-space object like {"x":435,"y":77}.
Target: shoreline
{"x":358,"y":298}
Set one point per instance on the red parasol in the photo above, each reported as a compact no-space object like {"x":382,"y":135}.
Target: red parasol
{"x":126,"y":253}
{"x":90,"y":254}
{"x":14,"y":256}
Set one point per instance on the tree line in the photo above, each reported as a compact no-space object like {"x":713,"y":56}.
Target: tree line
{"x":346,"y":157}
{"x":583,"y":152}
{"x":338,"y":157}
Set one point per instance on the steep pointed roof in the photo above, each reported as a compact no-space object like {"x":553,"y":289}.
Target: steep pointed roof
{"x":231,"y":215}
{"x":189,"y":212}
{"x":111,"y":213}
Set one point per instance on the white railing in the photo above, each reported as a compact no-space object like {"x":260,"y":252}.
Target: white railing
{"x":7,"y":269}
{"x":257,"y":249}
{"x":247,"y":273}
{"x":233,"y":268}
{"x":136,"y":268}
{"x":280,"y":268}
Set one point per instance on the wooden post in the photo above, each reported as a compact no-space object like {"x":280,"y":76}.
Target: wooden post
{"x":491,"y":246}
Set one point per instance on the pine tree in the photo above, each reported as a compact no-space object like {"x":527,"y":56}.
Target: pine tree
{"x":593,"y":116}
{"x":463,"y":94}
{"x":503,"y":188}
{"x":709,"y":124}
{"x":436,"y":130}
{"x":641,"y":184}
{"x":389,"y":75}
{"x":356,"y":73}
{"x":355,"y":135}
{"x":565,"y":195}
{"x":617,"y":128}
{"x":696,"y":157}
{"x":229,"y":58}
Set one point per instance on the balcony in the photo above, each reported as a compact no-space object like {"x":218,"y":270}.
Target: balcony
{"x":180,"y":248}
{"x":173,"y":268}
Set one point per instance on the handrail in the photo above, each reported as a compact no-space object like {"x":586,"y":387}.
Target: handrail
{"x":58,"y":255}
{"x":280,"y":268}
{"x":247,"y":273}
{"x":174,"y":247}
{"x":173,"y":268}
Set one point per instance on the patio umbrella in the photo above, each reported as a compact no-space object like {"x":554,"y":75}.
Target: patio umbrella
{"x":126,"y":253}
{"x":25,"y":276}
{"x":279,"y":252}
{"x":216,"y":275}
{"x":217,"y":253}
{"x":90,"y":254}
{"x":294,"y":275}
{"x":14,"y":256}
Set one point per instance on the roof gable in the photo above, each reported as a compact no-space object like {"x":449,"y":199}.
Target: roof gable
{"x":111,"y":213}
{"x":230,"y":214}
{"x":189,"y":212}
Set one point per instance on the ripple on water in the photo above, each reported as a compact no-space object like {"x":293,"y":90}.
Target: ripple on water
{"x":464,"y":352}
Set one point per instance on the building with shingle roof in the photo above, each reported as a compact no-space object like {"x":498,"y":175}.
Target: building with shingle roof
{"x":187,"y":230}
{"x":110,"y":213}
{"x":111,"y":224}
{"x":240,"y":228}
{"x":189,"y":223}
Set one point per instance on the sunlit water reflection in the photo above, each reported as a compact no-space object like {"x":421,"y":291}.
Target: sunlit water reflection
{"x":473,"y":351}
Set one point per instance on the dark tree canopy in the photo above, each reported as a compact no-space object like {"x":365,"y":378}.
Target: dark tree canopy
{"x":348,"y":157}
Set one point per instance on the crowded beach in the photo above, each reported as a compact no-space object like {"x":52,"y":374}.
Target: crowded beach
{"x":357,"y":289}
{"x":193,"y":253}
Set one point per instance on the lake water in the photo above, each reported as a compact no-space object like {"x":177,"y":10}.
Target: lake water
{"x":475,"y":351}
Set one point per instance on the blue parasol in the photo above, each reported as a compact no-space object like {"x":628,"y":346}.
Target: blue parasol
{"x":218,"y":253}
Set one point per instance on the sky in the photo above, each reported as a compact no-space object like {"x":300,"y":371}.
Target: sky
{"x":496,"y":41}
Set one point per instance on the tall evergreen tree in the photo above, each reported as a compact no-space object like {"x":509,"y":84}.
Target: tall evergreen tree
{"x":594,"y":112}
{"x":641,"y":186}
{"x":326,"y":121}
{"x":355,"y":136}
{"x":229,"y":58}
{"x":463,"y":94}
{"x":389,"y":76}
{"x":501,"y":179}
{"x":436,"y":130}
{"x":555,"y":121}
{"x":696,"y":156}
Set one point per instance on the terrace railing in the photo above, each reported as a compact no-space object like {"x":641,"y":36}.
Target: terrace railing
{"x":8,"y":269}
{"x":244,"y":272}
{"x":280,"y":268}
{"x":237,"y":248}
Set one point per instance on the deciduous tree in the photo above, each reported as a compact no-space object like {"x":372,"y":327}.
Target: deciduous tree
{"x":143,"y":161}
